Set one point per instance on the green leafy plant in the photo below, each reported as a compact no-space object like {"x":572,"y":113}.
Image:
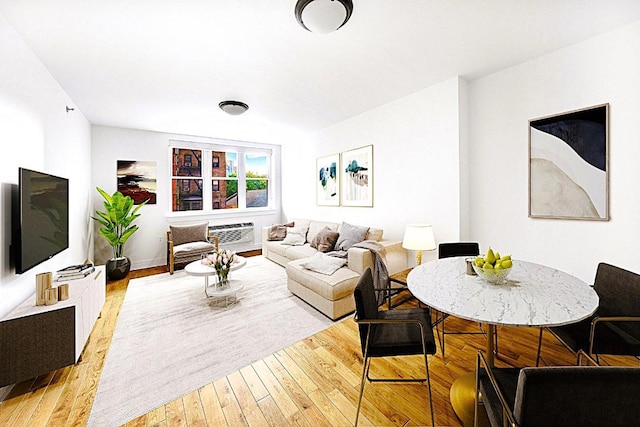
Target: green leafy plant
{"x":117,"y":218}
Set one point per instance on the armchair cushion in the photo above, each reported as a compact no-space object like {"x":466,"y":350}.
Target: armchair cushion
{"x":188,"y":233}
{"x":192,"y":248}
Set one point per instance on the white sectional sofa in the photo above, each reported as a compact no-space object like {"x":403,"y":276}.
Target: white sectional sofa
{"x":330,"y":294}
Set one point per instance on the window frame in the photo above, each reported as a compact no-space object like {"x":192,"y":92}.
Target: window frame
{"x":206,"y":171}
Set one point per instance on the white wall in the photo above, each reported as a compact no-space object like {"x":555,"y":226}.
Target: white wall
{"x":600,"y":70}
{"x":36,"y":132}
{"x":147,"y":247}
{"x":416,"y":155}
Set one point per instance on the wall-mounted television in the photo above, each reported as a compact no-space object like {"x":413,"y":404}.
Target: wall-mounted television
{"x":43,"y":211}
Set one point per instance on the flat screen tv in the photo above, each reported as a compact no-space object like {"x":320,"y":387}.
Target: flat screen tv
{"x":43,"y":211}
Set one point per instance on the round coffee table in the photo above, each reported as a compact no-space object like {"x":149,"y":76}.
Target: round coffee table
{"x":196,"y":268}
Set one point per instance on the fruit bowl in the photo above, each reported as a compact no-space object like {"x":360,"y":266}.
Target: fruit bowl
{"x":490,"y":275}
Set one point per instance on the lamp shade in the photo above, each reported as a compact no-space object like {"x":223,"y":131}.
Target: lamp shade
{"x":323,"y":16}
{"x":419,"y":237}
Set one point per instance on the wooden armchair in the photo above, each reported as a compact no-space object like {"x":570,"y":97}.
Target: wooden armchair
{"x":186,"y":243}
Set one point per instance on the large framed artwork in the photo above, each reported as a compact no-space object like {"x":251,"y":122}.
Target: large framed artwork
{"x":138,"y":180}
{"x":357,"y":177}
{"x":328,"y":180}
{"x":569,"y":165}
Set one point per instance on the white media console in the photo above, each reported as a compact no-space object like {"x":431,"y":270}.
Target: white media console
{"x":38,"y":339}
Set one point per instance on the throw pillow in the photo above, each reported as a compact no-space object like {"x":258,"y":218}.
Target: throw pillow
{"x":323,"y":263}
{"x":325,"y":240}
{"x":188,"y":233}
{"x":296,"y":236}
{"x":350,"y":235}
{"x":279,"y":231}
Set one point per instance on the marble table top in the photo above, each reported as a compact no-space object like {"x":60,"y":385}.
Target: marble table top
{"x":534,"y":295}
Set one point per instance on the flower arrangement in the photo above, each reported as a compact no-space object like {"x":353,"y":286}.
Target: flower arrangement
{"x":221,"y":261}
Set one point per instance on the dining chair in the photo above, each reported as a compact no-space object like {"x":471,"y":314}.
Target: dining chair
{"x":449,"y":250}
{"x":579,"y":396}
{"x":615,"y":326}
{"x":387,"y":333}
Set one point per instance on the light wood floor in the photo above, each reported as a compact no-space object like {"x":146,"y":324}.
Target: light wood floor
{"x":314,"y":382}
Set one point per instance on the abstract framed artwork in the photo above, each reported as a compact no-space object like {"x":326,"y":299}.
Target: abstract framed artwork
{"x":138,"y":180}
{"x":328,"y":180}
{"x":357,"y":177}
{"x":569,"y":165}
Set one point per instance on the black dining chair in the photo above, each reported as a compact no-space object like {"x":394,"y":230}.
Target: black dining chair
{"x":578,"y":396}
{"x":386,"y":333}
{"x":449,"y":250}
{"x":615,"y":326}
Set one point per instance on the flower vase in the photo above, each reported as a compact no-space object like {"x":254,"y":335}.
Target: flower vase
{"x":223,"y":278}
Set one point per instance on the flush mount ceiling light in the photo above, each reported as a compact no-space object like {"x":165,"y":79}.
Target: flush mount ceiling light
{"x":323,"y":16}
{"x":235,"y":108}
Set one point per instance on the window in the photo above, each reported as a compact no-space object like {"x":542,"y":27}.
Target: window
{"x":256,"y":175}
{"x":235,"y":177}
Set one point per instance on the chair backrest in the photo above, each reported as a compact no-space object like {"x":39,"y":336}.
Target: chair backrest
{"x":619,"y":293}
{"x":366,"y":304}
{"x":578,"y":396}
{"x":448,"y":250}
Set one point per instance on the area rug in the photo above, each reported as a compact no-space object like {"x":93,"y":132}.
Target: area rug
{"x":171,"y":339}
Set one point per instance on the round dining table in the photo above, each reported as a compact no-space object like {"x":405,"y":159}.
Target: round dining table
{"x":531,"y":295}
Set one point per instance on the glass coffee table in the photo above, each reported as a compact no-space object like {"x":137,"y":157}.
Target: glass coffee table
{"x":228,"y":292}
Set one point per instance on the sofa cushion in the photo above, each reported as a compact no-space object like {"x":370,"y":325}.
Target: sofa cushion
{"x":295,"y":236}
{"x":188,"y":233}
{"x":339,"y":285}
{"x":279,"y":231}
{"x":374,"y":234}
{"x":350,"y":235}
{"x":323,"y":263}
{"x":325,"y":240}
{"x":297,"y":252}
{"x":316,"y":226}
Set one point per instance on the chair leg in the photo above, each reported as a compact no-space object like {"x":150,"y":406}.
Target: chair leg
{"x":426,"y":367}
{"x":539,"y":347}
{"x":365,"y":369}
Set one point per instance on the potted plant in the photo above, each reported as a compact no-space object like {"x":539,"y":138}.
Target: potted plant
{"x":117,"y":228}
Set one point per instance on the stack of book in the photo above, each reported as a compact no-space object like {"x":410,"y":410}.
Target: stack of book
{"x":74,"y":272}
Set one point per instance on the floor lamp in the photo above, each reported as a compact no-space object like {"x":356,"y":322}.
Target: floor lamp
{"x":419,"y":237}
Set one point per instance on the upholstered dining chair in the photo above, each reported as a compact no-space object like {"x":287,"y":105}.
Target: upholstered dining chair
{"x":388,"y":333}
{"x":615,"y":326}
{"x":579,"y":396}
{"x":449,"y":250}
{"x":186,"y":243}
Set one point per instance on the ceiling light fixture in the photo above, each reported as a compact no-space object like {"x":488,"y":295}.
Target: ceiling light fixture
{"x":323,"y":16}
{"x":235,"y":108}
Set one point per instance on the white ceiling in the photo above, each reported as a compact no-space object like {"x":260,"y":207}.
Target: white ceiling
{"x":166,"y":64}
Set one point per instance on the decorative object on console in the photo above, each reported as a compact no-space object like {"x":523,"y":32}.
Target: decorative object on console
{"x":116,"y":228}
{"x":43,"y":282}
{"x":357,"y":177}
{"x":221,"y":261}
{"x":63,"y":292}
{"x":568,"y":165}
{"x":137,"y":179}
{"x":234,"y":108}
{"x":51,"y":296}
{"x":323,"y":16}
{"x":328,"y":180}
{"x":419,"y":237}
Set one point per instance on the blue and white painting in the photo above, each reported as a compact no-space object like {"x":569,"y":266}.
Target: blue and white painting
{"x":568,"y":165}
{"x":328,"y":181}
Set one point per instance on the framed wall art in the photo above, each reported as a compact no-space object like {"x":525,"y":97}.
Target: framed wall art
{"x":357,"y":177}
{"x":328,"y":180}
{"x":138,"y":180}
{"x":569,"y":165}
